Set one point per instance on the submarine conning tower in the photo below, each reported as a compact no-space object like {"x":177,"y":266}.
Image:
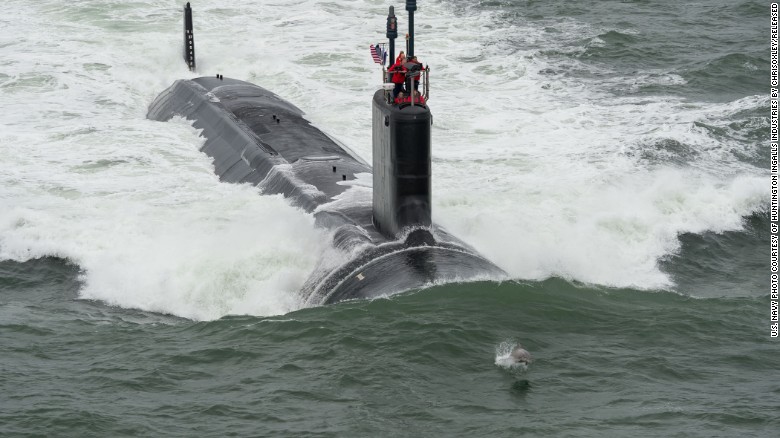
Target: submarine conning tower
{"x":401,"y":144}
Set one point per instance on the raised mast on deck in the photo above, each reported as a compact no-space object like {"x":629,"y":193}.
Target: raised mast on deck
{"x":189,"y":39}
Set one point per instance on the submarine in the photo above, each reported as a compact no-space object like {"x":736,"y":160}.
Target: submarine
{"x":384,"y":234}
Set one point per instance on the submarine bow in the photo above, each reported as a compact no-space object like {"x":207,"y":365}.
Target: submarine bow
{"x":384,"y":237}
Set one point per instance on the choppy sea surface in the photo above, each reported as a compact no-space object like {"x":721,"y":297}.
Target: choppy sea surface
{"x":612,"y":156}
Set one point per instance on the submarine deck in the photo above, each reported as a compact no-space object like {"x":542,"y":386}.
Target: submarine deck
{"x":256,"y":137}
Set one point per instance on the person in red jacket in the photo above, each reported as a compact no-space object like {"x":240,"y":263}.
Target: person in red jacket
{"x":399,"y":74}
{"x":402,"y":98}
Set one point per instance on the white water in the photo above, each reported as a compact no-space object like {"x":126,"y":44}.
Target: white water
{"x":540,"y":176}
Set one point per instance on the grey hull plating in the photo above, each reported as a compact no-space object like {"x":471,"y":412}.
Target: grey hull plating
{"x":256,"y":137}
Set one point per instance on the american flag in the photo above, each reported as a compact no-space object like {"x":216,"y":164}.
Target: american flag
{"x":378,"y":53}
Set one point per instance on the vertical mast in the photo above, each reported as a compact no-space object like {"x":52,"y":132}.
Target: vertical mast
{"x":189,"y":39}
{"x":411,"y":6}
{"x":392,"y":32}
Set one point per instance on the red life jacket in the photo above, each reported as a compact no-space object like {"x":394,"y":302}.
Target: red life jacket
{"x":398,"y":76}
{"x":408,"y":99}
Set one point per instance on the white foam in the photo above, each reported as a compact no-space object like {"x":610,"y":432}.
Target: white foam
{"x":285,"y":172}
{"x":156,"y":230}
{"x":546,"y":177}
{"x":358,"y":193}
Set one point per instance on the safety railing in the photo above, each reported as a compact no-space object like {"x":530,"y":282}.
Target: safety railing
{"x":409,"y":90}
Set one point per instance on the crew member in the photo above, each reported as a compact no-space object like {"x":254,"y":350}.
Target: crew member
{"x":402,"y":98}
{"x":397,"y":60}
{"x":418,"y":98}
{"x":416,"y":78}
{"x":399,"y":74}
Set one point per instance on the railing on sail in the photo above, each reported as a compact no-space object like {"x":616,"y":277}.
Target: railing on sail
{"x":424,"y":82}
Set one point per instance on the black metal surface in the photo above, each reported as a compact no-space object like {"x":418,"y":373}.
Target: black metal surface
{"x":189,"y":38}
{"x":392,"y":34}
{"x":402,"y":166}
{"x":411,"y":6}
{"x":256,"y":137}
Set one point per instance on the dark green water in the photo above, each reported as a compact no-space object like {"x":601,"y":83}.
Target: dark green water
{"x":720,"y":48}
{"x":694,"y":360}
{"x":614,"y":362}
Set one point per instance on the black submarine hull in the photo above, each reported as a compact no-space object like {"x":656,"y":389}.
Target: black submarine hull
{"x":255,"y":137}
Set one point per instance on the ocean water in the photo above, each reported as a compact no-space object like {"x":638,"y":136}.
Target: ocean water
{"x":611,"y":156}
